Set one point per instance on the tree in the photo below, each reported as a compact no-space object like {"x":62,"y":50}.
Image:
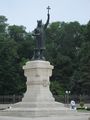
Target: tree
{"x":12,"y":80}
{"x":17,"y":32}
{"x":62,"y":41}
{"x":3,"y":24}
{"x":81,"y":79}
{"x":23,"y":39}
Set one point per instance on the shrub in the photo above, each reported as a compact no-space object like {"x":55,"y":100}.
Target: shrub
{"x":81,"y":104}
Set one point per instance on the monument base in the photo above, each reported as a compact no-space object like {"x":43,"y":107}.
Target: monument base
{"x":43,"y":109}
{"x":38,"y":73}
{"x":38,"y":100}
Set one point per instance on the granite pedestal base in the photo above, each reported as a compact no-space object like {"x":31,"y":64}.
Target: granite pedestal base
{"x":38,"y":100}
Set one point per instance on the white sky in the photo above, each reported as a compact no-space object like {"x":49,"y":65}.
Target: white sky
{"x":27,"y":12}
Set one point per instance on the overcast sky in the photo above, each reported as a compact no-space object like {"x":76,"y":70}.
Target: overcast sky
{"x":27,"y":12}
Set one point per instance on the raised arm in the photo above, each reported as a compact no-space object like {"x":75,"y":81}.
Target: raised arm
{"x":47,"y":22}
{"x":48,"y":18}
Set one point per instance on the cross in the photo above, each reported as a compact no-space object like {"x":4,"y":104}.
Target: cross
{"x":48,"y":8}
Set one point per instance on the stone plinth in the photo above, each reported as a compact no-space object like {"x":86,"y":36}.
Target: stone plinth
{"x":38,"y":73}
{"x":38,"y":100}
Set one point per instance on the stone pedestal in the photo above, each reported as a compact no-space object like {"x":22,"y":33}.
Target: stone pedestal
{"x":38,"y":100}
{"x":38,"y":73}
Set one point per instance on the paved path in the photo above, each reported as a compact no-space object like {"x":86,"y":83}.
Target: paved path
{"x":45,"y":118}
{"x":79,"y":116}
{"x":73,"y":116}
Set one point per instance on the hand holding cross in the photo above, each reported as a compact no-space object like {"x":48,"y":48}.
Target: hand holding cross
{"x":48,"y":8}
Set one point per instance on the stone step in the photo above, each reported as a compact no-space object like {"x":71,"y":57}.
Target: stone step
{"x":38,"y":104}
{"x":36,"y":112}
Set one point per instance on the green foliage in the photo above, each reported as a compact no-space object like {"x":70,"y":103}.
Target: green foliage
{"x":3,"y":24}
{"x":17,"y":32}
{"x":81,"y":104}
{"x":16,"y":47}
{"x":81,"y":78}
{"x":56,"y":88}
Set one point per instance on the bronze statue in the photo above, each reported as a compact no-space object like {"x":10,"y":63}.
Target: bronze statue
{"x":39,"y":35}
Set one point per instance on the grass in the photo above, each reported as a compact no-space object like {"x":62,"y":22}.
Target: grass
{"x":83,"y":109}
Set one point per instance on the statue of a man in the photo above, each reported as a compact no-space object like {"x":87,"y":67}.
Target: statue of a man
{"x":39,"y":34}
